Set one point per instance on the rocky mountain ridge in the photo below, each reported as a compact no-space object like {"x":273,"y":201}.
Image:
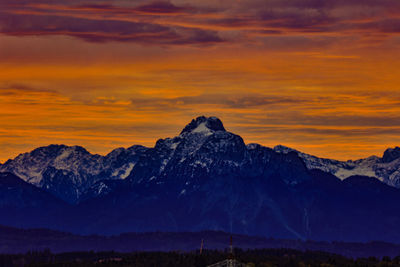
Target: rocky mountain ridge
{"x":204,"y":179}
{"x":385,"y":169}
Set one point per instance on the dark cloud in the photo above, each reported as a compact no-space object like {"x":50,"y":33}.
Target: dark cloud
{"x":376,"y":120}
{"x":299,"y":42}
{"x":14,"y":89}
{"x":164,"y":22}
{"x":321,"y":133}
{"x":198,"y":36}
{"x":103,"y":30}
{"x":102,"y":23}
{"x":330,"y":120}
{"x":383,"y":25}
{"x":161,"y":8}
{"x":292,"y":110}
{"x":312,"y":16}
{"x":222,"y":100}
{"x":152,"y":8}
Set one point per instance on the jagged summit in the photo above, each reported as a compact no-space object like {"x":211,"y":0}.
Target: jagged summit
{"x":284,"y":149}
{"x":203,"y":148}
{"x":391,"y":154}
{"x":206,"y":178}
{"x":204,"y":124}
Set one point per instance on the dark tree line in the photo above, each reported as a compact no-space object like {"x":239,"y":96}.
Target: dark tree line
{"x":13,"y":241}
{"x":261,"y":257}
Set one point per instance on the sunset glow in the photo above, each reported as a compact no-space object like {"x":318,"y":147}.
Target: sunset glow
{"x":319,"y":76}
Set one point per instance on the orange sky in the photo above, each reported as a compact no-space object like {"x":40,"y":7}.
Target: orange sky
{"x":320,"y":76}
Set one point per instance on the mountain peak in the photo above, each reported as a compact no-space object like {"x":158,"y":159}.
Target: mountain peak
{"x":391,"y":154}
{"x":284,"y":149}
{"x":204,"y":124}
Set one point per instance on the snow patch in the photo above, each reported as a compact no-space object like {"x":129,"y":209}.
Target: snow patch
{"x":65,"y":154}
{"x":163,"y":165}
{"x":115,"y":172}
{"x":359,"y":170}
{"x":127,"y":171}
{"x":101,"y":188}
{"x":202,"y":128}
{"x":174,"y":145}
{"x":202,"y":164}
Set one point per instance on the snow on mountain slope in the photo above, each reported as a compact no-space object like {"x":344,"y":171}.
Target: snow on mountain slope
{"x":201,"y":143}
{"x":67,"y":171}
{"x":208,"y":178}
{"x":203,"y":148}
{"x":385,"y":169}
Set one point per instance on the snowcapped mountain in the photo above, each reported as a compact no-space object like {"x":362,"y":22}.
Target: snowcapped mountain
{"x":206,"y":178}
{"x":203,"y":147}
{"x":202,"y":144}
{"x":385,"y":169}
{"x":67,"y":171}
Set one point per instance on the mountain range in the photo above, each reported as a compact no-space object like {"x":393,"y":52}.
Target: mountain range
{"x":206,"y":178}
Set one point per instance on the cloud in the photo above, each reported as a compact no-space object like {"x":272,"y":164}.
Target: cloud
{"x":391,"y":25}
{"x":161,"y":8}
{"x":127,"y":72}
{"x":102,"y":31}
{"x":8,"y":87}
{"x":324,"y":132}
{"x":219,"y":100}
{"x":65,"y":20}
{"x":146,"y":9}
{"x":191,"y":22}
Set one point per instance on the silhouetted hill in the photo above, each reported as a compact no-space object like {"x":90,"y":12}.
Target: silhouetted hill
{"x":13,"y":240}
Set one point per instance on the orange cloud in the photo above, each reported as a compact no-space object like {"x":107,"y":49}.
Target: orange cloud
{"x":322,"y":78}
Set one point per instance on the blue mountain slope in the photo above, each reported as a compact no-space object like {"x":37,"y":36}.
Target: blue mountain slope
{"x":24,"y":205}
{"x":208,"y":179}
